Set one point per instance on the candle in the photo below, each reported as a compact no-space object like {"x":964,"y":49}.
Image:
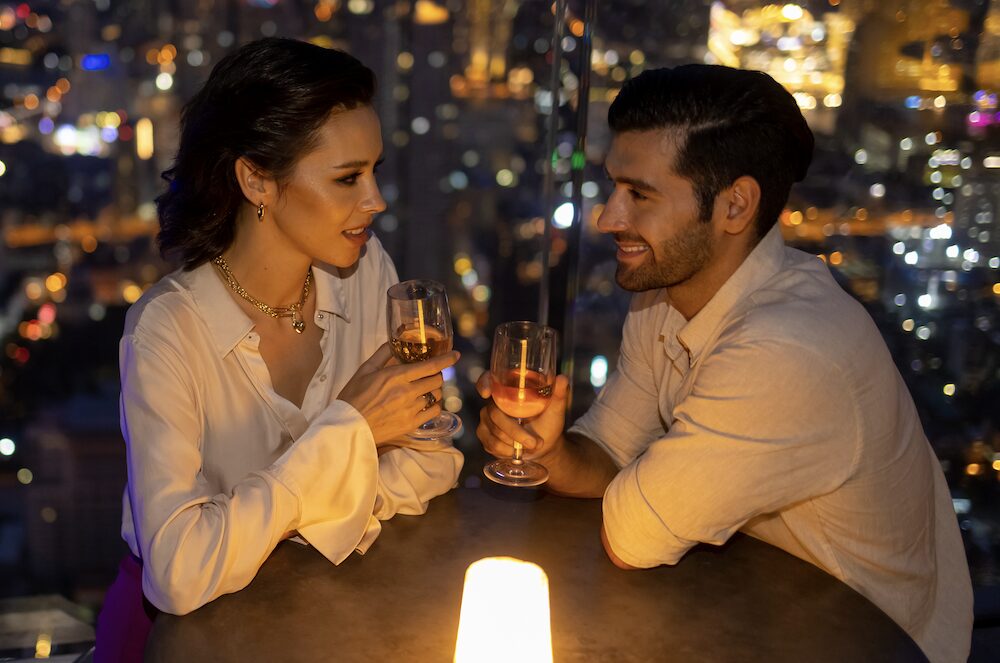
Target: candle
{"x":498,"y":588}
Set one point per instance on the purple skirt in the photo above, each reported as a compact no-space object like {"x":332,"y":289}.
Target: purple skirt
{"x":125,"y":618}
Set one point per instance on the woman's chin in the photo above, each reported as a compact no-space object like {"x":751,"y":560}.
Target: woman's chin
{"x":343,"y":258}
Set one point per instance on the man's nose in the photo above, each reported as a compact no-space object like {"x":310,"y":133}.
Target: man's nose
{"x":612,"y":218}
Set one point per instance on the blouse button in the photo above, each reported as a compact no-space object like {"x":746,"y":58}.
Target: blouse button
{"x":322,"y":378}
{"x":319,"y":316}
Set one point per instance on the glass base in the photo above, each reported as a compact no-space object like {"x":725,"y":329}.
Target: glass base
{"x":445,"y":424}
{"x":517,"y":473}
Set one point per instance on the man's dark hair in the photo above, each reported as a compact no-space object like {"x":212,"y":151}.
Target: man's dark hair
{"x":265,"y":102}
{"x":730,"y":123}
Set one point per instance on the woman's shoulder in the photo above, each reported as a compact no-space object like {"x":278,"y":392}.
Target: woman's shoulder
{"x":165,"y":307}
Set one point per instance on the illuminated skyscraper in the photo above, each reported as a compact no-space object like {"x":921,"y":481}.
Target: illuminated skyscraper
{"x":803,"y":52}
{"x":909,"y":49}
{"x":988,"y":55}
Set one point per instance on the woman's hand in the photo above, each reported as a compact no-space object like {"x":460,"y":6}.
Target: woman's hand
{"x":391,"y":396}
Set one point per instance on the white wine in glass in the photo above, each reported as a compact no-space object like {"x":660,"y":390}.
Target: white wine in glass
{"x":419,"y":323}
{"x":522,"y":375}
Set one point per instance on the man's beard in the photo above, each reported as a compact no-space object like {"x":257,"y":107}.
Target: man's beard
{"x":675,"y":261}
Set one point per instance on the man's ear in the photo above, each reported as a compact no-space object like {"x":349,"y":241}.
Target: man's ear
{"x":742,"y":202}
{"x":256,"y":186}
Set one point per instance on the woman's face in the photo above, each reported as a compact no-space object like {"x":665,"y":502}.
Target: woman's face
{"x":331,"y":198}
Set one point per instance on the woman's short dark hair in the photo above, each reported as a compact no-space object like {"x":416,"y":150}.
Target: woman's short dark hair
{"x":265,"y":102}
{"x":730,"y":122}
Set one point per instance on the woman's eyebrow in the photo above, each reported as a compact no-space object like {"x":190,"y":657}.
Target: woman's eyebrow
{"x":358,"y":163}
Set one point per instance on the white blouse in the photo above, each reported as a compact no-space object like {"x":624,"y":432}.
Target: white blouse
{"x":220,"y":466}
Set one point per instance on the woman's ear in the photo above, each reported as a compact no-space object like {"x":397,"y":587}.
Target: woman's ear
{"x":743,"y":202}
{"x":257,"y":187}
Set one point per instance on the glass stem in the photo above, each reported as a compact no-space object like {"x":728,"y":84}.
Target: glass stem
{"x":518,"y":449}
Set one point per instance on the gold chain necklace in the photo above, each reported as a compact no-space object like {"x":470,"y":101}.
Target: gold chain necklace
{"x":293,"y":311}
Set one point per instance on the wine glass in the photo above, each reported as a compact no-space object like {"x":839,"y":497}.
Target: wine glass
{"x":420,"y":328}
{"x":522,"y":374}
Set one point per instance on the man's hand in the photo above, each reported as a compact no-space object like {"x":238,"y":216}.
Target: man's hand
{"x":541,"y":436}
{"x":578,"y":467}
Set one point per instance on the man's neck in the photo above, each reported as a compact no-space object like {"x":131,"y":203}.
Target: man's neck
{"x":691,"y":296}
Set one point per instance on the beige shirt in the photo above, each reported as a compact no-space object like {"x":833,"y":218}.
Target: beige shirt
{"x":220,"y":466}
{"x":777,"y":411}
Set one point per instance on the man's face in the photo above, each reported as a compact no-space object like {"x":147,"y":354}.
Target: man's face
{"x":653,"y":214}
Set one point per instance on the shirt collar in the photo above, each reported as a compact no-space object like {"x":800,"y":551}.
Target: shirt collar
{"x":227,"y":322}
{"x":329,"y":283}
{"x":763,"y":262}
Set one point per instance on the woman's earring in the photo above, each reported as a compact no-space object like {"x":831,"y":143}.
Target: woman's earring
{"x":260,"y":213}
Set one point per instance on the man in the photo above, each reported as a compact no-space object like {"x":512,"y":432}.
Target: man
{"x":751,"y":392}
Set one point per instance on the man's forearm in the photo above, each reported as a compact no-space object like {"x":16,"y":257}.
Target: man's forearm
{"x":578,"y":468}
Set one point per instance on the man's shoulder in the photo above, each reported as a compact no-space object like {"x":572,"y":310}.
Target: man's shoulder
{"x":804,"y":312}
{"x":804,"y":301}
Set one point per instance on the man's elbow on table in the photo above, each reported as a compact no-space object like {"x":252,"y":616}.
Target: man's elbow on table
{"x":615,"y":559}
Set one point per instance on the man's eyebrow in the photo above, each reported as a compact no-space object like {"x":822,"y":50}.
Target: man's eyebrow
{"x":633,"y":182}
{"x":358,"y":163}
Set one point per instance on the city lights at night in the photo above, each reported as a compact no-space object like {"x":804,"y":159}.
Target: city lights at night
{"x":493,"y":182}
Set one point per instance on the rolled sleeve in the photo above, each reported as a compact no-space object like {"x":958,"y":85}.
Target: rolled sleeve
{"x":766,"y":426}
{"x":635,"y":531}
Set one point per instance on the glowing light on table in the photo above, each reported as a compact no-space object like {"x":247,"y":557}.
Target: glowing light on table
{"x":504,"y":588}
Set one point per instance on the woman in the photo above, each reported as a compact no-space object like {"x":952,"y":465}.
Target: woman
{"x":246,"y":409}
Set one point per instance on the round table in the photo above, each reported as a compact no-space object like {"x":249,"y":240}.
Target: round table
{"x":745,"y":601}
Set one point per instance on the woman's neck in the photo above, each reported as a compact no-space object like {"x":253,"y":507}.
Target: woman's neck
{"x":265,"y":264}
